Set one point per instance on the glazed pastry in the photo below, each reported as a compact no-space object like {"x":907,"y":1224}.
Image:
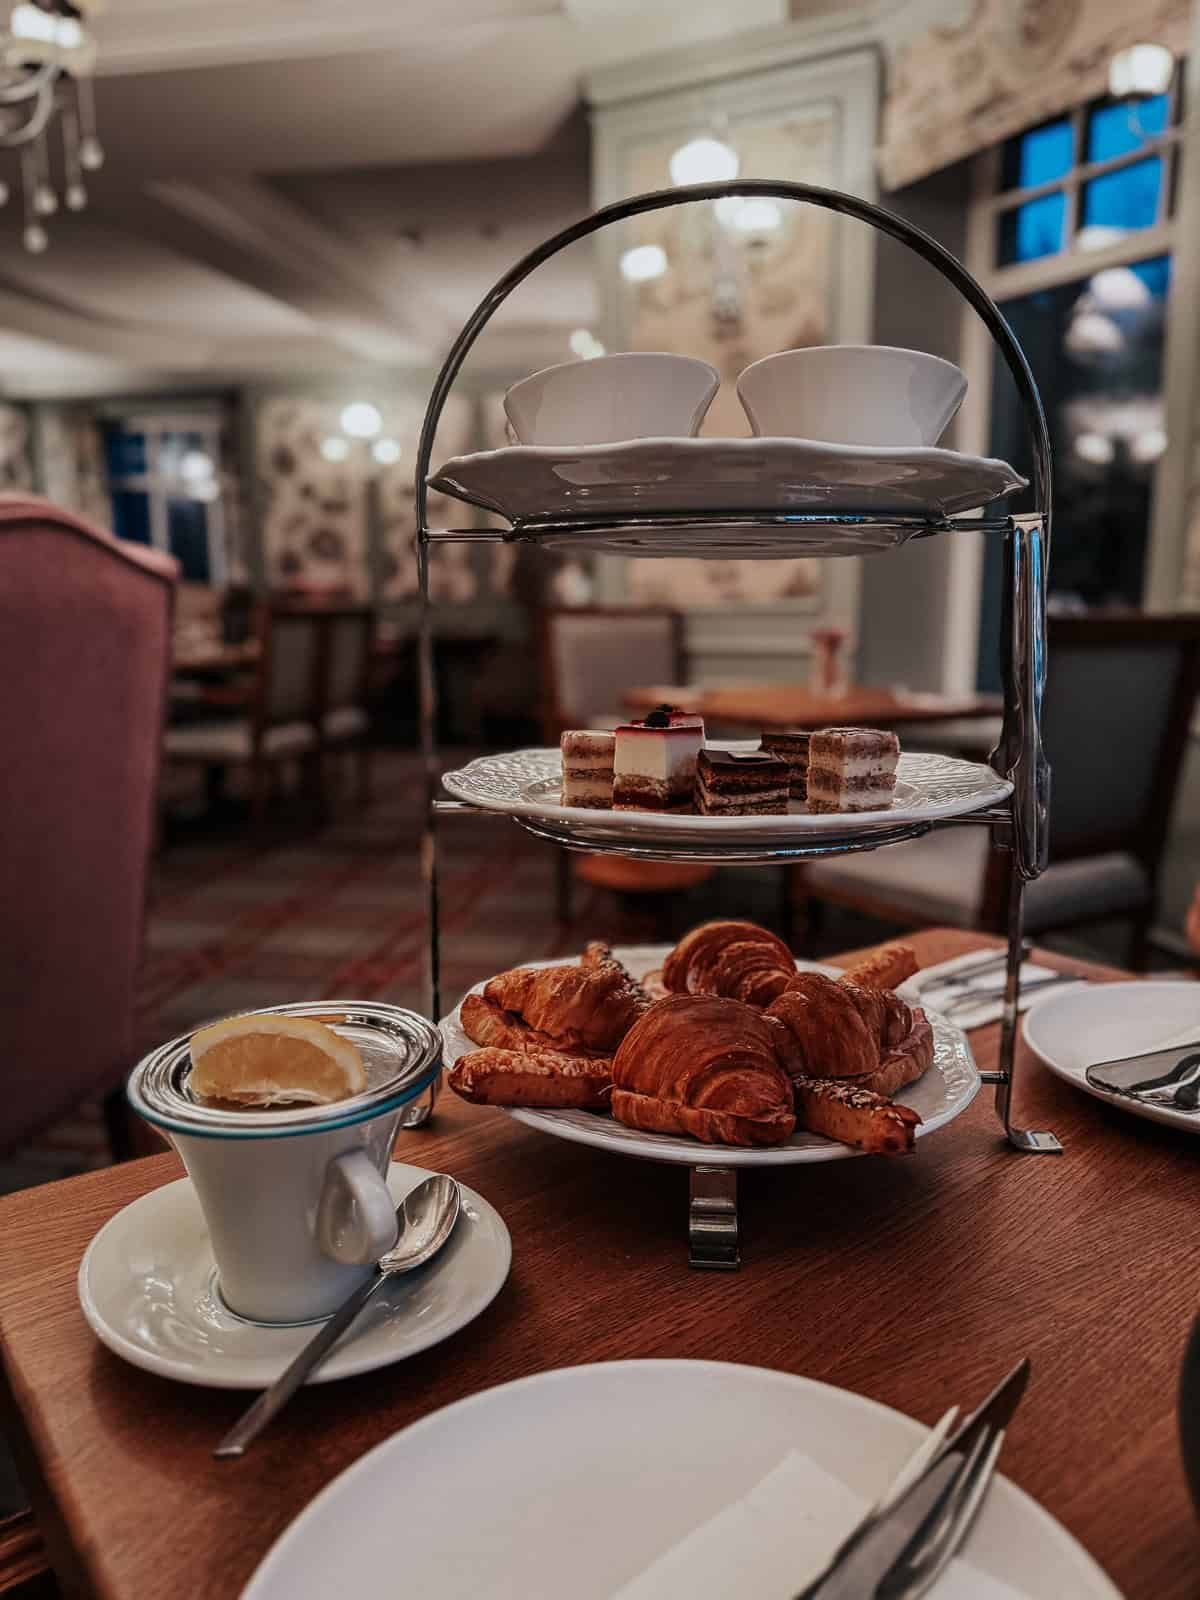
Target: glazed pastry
{"x":653,"y":986}
{"x":887,"y":967}
{"x":691,"y":967}
{"x":703,"y":1066}
{"x":855,"y":1116}
{"x":512,"y":1078}
{"x":820,"y":1032}
{"x":593,"y":1006}
{"x":486,"y":1023}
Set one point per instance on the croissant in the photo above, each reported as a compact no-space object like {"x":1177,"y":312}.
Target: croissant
{"x":487,"y":1024}
{"x":592,"y":1006}
{"x":739,"y":960}
{"x":514,"y":1078}
{"x":889,"y":966}
{"x":704,"y":1066}
{"x":820,"y":1031}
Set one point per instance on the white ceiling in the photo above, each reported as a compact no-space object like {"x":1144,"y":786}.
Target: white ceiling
{"x":311,"y":184}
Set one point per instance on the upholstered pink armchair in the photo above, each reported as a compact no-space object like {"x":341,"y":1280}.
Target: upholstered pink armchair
{"x":85,"y":651}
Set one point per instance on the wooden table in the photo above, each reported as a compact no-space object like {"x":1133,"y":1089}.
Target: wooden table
{"x":915,"y":1281}
{"x":789,"y":705}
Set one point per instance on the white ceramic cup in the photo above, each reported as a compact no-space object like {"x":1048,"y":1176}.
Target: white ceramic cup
{"x":631,"y":395}
{"x":856,"y":394}
{"x":296,"y":1200}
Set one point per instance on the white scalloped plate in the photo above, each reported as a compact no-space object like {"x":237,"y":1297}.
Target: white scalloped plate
{"x":643,"y":477}
{"x":525,"y":783}
{"x":942,"y":1094}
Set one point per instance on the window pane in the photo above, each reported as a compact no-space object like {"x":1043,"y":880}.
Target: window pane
{"x":1116,"y":129}
{"x":1032,"y":230}
{"x":131,"y":515}
{"x":1039,"y":156}
{"x":126,"y":452}
{"x":1096,"y":350}
{"x":187,"y":537}
{"x":1126,"y":199}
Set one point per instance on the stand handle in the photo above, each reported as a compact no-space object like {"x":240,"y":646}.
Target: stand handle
{"x":917,"y":240}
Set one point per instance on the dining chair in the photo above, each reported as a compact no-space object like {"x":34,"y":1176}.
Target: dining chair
{"x":590,"y":656}
{"x":283,"y":719}
{"x":348,"y":636}
{"x":85,"y":652}
{"x":1119,"y":699}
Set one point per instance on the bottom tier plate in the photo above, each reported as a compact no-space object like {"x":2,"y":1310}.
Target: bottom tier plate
{"x":942,"y":1094}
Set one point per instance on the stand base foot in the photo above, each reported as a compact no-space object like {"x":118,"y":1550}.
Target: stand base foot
{"x":713,"y":1220}
{"x":1033,"y":1143}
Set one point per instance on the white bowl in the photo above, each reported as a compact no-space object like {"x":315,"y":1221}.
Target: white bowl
{"x":859,"y":394}
{"x":629,"y":396}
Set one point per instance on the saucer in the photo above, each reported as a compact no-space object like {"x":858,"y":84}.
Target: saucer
{"x":148,"y":1288}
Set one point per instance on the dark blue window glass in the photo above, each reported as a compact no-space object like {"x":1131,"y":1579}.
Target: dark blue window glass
{"x":187,"y":537}
{"x":126,"y":452}
{"x":131,"y":515}
{"x":1115,"y":130}
{"x":1127,"y":198}
{"x":1039,"y":156}
{"x":1032,"y":230}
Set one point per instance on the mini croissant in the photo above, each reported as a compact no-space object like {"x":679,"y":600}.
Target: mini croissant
{"x":704,"y":1066}
{"x":739,"y":960}
{"x":593,"y":1006}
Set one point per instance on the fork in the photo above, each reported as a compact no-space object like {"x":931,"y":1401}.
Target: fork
{"x":974,"y":997}
{"x":940,"y":1537}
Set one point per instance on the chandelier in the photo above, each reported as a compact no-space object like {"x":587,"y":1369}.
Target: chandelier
{"x":47,"y":56}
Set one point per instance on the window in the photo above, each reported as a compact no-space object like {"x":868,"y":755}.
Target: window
{"x":163,"y":478}
{"x":1075,"y":229}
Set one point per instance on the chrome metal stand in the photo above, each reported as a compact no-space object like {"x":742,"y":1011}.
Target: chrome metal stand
{"x":1019,"y":825}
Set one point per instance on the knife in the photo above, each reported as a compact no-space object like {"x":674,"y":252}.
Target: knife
{"x":1175,"y":1084}
{"x":867,"y":1555}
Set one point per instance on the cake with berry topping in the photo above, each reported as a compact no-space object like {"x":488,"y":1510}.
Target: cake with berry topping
{"x":654,"y":763}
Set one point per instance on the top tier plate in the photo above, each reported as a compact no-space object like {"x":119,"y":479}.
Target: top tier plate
{"x":705,"y":494}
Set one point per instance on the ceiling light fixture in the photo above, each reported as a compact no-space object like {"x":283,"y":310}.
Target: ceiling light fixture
{"x":703,"y":161}
{"x":643,"y":262}
{"x":195,"y":466}
{"x":1118,"y":289}
{"x":585,"y":345}
{"x":387,"y":452}
{"x":1094,"y":447}
{"x":1148,"y":445}
{"x":362,"y":420}
{"x":335,"y":449}
{"x":47,"y":57}
{"x":1142,"y":69}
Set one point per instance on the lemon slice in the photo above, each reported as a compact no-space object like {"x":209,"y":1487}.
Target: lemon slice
{"x":268,"y":1059}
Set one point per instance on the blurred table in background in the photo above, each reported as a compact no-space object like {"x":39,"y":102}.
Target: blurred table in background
{"x":787,"y":705}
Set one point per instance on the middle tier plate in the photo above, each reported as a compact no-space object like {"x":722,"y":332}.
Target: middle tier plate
{"x":525,"y":785}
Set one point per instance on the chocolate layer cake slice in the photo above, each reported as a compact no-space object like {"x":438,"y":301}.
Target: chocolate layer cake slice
{"x":654,"y":767}
{"x":729,"y":785}
{"x":790,"y":745}
{"x":587,"y":768}
{"x":851,"y":769}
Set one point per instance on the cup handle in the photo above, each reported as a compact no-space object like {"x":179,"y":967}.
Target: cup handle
{"x":356,"y":1216}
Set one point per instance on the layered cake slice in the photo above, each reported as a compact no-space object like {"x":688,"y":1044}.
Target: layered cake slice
{"x":752,"y":785}
{"x":790,"y":745}
{"x":654,"y":767}
{"x":851,"y":769}
{"x":587,"y":768}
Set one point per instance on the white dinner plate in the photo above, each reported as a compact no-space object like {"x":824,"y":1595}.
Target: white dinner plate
{"x":640,"y":477}
{"x":147,"y":1285}
{"x":940,"y":1095}
{"x":525,"y":784}
{"x":1103,"y":1021}
{"x":572,"y":1482}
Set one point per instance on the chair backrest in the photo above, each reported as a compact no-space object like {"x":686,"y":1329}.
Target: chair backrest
{"x":290,"y":665}
{"x":85,"y":650}
{"x":590,"y":657}
{"x":1120,"y":693}
{"x":349,"y":634}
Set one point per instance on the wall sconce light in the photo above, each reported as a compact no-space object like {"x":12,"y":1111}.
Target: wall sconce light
{"x":1142,"y":69}
{"x":643,"y":262}
{"x":362,"y":420}
{"x":703,"y":161}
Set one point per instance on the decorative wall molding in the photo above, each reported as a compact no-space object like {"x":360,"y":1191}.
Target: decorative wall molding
{"x":953,"y":90}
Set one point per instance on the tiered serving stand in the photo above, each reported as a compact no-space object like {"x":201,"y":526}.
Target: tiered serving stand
{"x":1018,"y":825}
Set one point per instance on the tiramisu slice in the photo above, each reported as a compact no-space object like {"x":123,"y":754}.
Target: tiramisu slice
{"x":790,"y":745}
{"x":729,"y":785}
{"x":587,"y":768}
{"x":654,"y":768}
{"x":851,"y":769}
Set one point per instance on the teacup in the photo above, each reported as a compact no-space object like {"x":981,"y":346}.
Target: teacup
{"x":296,"y":1199}
{"x":855,"y":394}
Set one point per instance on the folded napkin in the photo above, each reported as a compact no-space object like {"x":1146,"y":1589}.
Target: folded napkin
{"x":936,"y":993}
{"x":777,"y":1538}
